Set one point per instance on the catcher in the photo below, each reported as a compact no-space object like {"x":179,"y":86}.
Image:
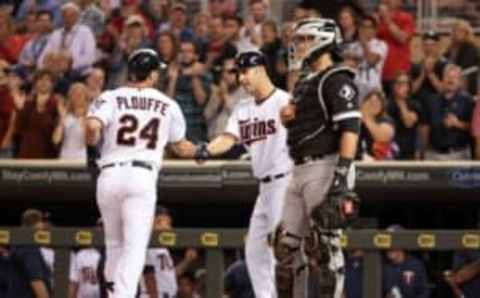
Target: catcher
{"x":323,"y":122}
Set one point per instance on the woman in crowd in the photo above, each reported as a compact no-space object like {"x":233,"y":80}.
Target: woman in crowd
{"x":167,"y":48}
{"x":70,"y":130}
{"x":465,"y":53}
{"x":405,"y":113}
{"x":348,"y":21}
{"x":377,"y":132}
{"x":11,"y":44}
{"x":37,"y":117}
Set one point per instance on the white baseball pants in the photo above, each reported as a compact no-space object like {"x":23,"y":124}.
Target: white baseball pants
{"x":126,"y":197}
{"x":259,"y":255}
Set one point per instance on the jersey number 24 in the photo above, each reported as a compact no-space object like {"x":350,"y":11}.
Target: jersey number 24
{"x":127,"y":134}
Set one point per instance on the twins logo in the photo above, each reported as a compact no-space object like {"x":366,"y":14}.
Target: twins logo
{"x":256,"y":130}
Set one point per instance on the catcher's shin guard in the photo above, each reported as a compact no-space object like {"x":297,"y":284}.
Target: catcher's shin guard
{"x":286,"y":248}
{"x":326,"y":261}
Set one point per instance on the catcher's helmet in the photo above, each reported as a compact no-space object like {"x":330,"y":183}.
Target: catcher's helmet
{"x":250,"y":59}
{"x":326,"y":36}
{"x":141,"y":63}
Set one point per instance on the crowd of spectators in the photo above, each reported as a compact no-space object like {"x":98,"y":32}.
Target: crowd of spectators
{"x":57,"y":56}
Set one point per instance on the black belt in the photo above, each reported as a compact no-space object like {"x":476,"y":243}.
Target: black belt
{"x":306,"y":159}
{"x":268,"y":179}
{"x":134,"y":163}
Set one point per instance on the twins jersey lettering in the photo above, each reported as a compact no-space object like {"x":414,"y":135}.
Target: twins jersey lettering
{"x":165,"y":274}
{"x":138,"y":123}
{"x":258,"y":126}
{"x":83,"y":271}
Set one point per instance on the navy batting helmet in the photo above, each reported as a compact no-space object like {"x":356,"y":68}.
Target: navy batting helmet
{"x":141,"y":63}
{"x":250,"y":59}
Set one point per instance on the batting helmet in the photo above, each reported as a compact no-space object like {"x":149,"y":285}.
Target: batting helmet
{"x":141,"y":63}
{"x":250,"y":59}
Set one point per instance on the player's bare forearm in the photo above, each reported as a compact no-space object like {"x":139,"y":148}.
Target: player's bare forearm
{"x":182,"y":267}
{"x":348,"y":145}
{"x":184,"y":149}
{"x":151,"y":285}
{"x":92,"y":132}
{"x":221,"y":144}
{"x":39,"y":289}
{"x":467,"y":273}
{"x":72,"y":290}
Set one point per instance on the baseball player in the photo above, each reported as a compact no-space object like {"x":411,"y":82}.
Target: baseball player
{"x":255,"y":122}
{"x":322,"y":121}
{"x":84,"y":282}
{"x":136,"y":122}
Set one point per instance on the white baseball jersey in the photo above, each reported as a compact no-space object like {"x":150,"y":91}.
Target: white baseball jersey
{"x":48,"y":255}
{"x":83,"y":271}
{"x":259,"y":128}
{"x":138,"y":123}
{"x":165,"y":275}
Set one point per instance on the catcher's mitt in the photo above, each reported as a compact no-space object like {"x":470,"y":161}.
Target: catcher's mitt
{"x":337,"y":211}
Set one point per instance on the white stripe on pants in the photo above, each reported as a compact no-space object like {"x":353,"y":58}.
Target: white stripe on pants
{"x":126,"y":197}
{"x":259,"y":255}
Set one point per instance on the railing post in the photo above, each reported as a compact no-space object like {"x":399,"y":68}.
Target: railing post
{"x":61,"y":272}
{"x":214,"y":272}
{"x":372,"y":274}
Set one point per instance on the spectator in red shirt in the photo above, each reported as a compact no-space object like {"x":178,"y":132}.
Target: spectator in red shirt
{"x":37,"y":118}
{"x":11,"y":44}
{"x":396,"y":27}
{"x":6,"y":114}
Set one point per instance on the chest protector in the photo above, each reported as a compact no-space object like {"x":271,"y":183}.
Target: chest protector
{"x":312,"y":132}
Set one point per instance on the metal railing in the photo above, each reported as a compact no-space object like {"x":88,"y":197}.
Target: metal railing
{"x":214,"y":241}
